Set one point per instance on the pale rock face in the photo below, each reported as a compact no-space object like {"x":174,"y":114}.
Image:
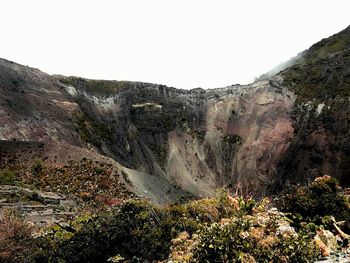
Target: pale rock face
{"x":104,"y":103}
{"x":147,"y":104}
{"x":259,"y":116}
{"x":319,"y":108}
{"x":266,"y":130}
{"x":71,"y":90}
{"x":186,"y":165}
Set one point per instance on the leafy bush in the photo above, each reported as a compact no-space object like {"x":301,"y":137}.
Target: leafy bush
{"x":220,"y":243}
{"x":48,"y":241}
{"x":136,"y":224}
{"x":244,"y":240}
{"x":322,"y":198}
{"x":141,"y":225}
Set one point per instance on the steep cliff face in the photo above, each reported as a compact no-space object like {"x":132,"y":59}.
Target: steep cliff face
{"x":170,"y":144}
{"x":199,"y":140}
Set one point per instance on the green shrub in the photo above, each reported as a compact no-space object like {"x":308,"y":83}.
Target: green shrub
{"x":322,"y":198}
{"x":137,"y":228}
{"x":222,"y":243}
{"x":241,"y":240}
{"x":7,"y":176}
{"x":54,"y":237}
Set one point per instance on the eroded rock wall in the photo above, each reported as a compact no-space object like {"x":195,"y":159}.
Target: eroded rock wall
{"x":198,"y":140}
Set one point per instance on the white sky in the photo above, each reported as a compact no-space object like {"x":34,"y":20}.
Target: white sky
{"x":180,"y":43}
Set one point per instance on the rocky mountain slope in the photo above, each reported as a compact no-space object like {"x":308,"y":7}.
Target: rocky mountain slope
{"x":169,"y":144}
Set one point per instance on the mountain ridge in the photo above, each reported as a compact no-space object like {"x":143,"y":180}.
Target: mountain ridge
{"x":170,"y":143}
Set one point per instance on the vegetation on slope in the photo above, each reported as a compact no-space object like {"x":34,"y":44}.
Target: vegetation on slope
{"x":95,"y":184}
{"x":323,"y":71}
{"x":221,"y":229}
{"x":90,"y":131}
{"x":101,"y":87}
{"x":316,"y":202}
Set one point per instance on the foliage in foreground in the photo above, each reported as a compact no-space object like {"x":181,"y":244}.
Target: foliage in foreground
{"x":247,"y":239}
{"x":322,"y":198}
{"x":221,"y":229}
{"x":139,"y":224}
{"x":15,"y":237}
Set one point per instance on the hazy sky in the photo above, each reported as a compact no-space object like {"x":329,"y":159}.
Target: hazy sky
{"x":180,"y":43}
